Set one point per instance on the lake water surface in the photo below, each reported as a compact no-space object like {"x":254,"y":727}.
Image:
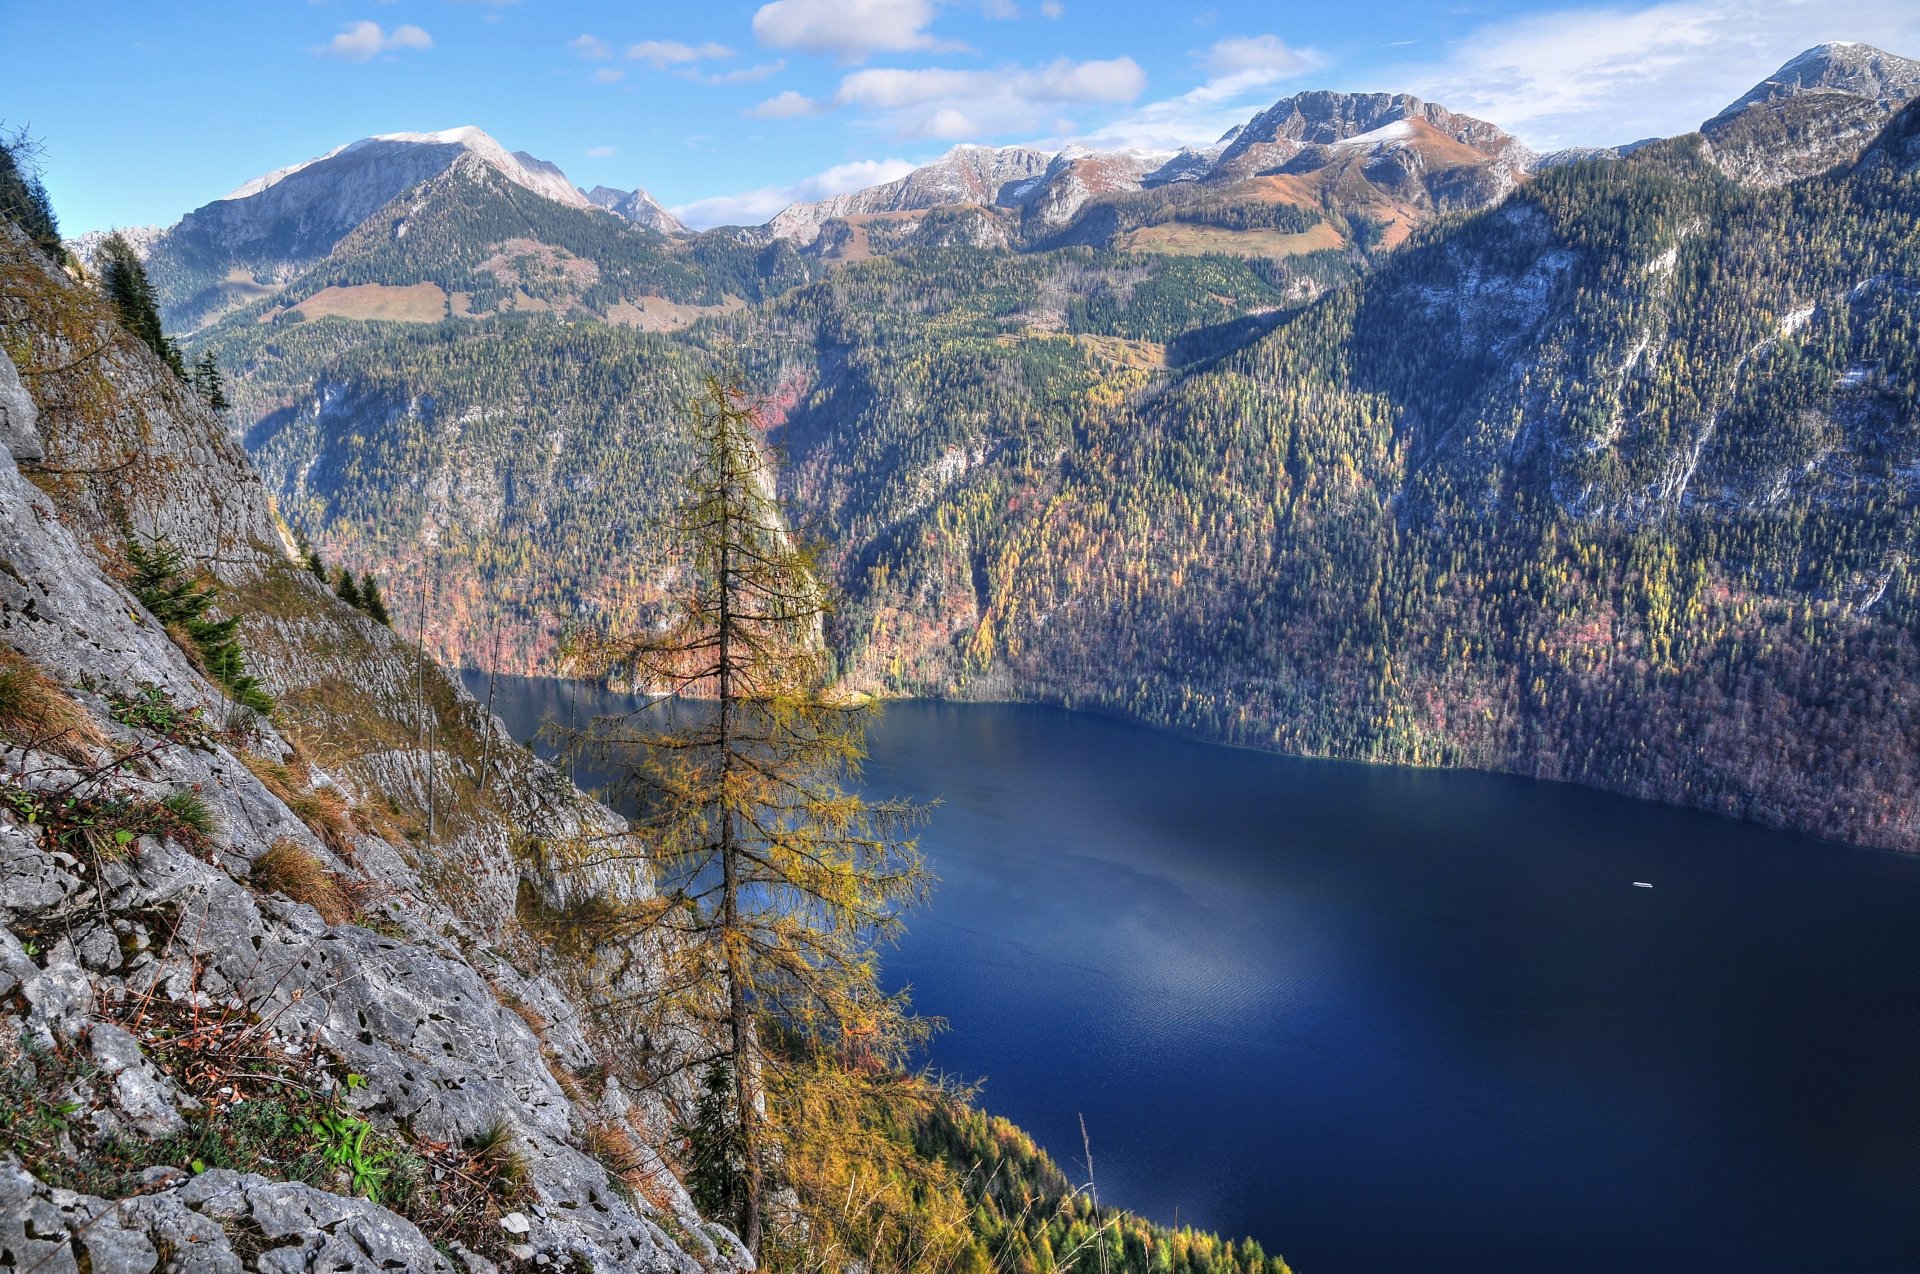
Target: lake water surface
{"x":1389,"y":1019}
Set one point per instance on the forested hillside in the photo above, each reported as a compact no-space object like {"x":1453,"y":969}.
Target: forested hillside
{"x":1613,"y":482}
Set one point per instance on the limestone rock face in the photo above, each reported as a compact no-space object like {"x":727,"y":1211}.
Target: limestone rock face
{"x":18,"y":417}
{"x":452,"y":1017}
{"x":206,"y":1224}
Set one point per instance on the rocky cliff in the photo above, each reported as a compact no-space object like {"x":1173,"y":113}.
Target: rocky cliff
{"x":266,"y":997}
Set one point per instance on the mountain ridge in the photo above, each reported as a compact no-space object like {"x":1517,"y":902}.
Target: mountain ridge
{"x":991,"y":434}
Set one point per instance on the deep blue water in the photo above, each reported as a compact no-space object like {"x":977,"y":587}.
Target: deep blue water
{"x":1389,"y":1019}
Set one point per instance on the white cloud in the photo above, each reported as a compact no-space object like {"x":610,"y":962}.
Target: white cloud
{"x":953,"y":105}
{"x":590,"y":47}
{"x":363,"y":41}
{"x":751,"y":207}
{"x":851,"y":30}
{"x":1051,"y":8}
{"x":602,"y":152}
{"x":787,"y":105}
{"x":742,"y":74}
{"x":608,"y":75}
{"x":1601,"y":76}
{"x":1254,"y":53}
{"x":664,"y":53}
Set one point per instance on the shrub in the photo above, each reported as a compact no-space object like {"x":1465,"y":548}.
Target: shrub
{"x":107,"y":826}
{"x":498,"y":1158}
{"x":190,"y":813}
{"x":153,"y":710}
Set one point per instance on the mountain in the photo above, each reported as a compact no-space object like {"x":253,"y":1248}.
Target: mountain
{"x":1324,"y":120}
{"x":1614,"y":461}
{"x":468,"y":240}
{"x":1319,"y":158}
{"x":1818,"y":111}
{"x":637,"y":206}
{"x":979,"y":175}
{"x":1843,"y":67}
{"x":1613,"y":483}
{"x":242,"y":246}
{"x":140,"y":238}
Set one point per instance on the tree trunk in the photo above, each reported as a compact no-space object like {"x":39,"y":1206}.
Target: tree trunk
{"x":745,"y":1107}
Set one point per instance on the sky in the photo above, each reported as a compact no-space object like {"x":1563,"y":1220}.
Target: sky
{"x":728,"y":111}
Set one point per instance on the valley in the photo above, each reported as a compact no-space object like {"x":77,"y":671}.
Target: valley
{"x":1377,"y":436}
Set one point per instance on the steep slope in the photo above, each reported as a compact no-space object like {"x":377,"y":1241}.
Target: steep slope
{"x":1816,"y":112}
{"x":520,"y":463}
{"x":205,"y":912}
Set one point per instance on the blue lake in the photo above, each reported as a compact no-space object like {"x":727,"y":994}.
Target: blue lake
{"x":1389,"y":1019}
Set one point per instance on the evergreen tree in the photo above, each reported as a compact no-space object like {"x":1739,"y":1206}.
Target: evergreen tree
{"x":347,"y":590}
{"x":209,"y":383}
{"x":371,"y":600}
{"x":715,"y":1162}
{"x":23,"y":200}
{"x":124,"y":280}
{"x":180,"y":599}
{"x":778,"y":879}
{"x":316,"y":567}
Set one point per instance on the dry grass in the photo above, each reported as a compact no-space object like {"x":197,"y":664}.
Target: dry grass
{"x":415,"y":303}
{"x":1180,"y":239}
{"x":288,"y":869}
{"x":324,"y":810}
{"x":35,"y":711}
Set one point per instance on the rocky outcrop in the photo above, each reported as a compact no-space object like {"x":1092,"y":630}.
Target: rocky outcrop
{"x":19,"y":420}
{"x":206,"y":1224}
{"x":964,"y":175}
{"x":400,"y":991}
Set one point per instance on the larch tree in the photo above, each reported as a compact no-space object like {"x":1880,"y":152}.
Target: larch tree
{"x":776,"y":880}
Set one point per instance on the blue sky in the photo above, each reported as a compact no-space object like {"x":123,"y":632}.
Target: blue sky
{"x":726,"y":111}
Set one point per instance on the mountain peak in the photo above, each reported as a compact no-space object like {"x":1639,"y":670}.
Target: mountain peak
{"x":637,"y":206}
{"x":436,"y":150}
{"x":1840,"y":66}
{"x":1817,"y":112}
{"x":1321,"y":117}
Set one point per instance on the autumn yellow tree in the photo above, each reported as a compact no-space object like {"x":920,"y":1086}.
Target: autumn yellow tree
{"x":776,"y":877}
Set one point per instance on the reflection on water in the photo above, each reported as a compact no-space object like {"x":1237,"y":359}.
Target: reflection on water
{"x":1389,"y":1020}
